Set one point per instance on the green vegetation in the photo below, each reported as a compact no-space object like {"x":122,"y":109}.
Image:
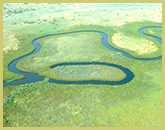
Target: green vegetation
{"x":58,"y":49}
{"x":54,"y":49}
{"x":84,"y":18}
{"x":90,"y":105}
{"x":135,"y":104}
{"x":44,"y":104}
{"x":10,"y":55}
{"x":154,"y":31}
{"x":10,"y":80}
{"x":139,"y":46}
{"x":85,"y":72}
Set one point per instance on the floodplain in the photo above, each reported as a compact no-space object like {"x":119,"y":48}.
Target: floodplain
{"x":137,"y":103}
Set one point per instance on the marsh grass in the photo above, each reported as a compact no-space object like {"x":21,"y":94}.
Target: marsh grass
{"x":10,"y":80}
{"x":135,"y":104}
{"x":55,"y":48}
{"x":23,"y":28}
{"x":87,"y":72}
{"x":154,"y":31}
{"x":43,"y":104}
{"x":135,"y":44}
{"x":58,"y":49}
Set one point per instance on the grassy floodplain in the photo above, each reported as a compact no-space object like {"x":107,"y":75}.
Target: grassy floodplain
{"x":54,"y":51}
{"x":136,"y":44}
{"x":154,"y":31}
{"x":88,"y":72}
{"x":135,"y":104}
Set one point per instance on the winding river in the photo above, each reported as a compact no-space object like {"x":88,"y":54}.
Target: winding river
{"x":34,"y":77}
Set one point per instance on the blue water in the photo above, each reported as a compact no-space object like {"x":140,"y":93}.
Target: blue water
{"x":129,"y":74}
{"x":33,"y":77}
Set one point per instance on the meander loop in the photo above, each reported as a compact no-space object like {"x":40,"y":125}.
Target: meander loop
{"x":34,"y":77}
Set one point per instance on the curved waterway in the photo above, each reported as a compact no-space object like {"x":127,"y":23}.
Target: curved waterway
{"x":34,"y":77}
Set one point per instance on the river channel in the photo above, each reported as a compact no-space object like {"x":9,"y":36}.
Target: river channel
{"x":34,"y":77}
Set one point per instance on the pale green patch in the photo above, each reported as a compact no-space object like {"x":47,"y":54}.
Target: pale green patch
{"x":136,"y":44}
{"x":86,"y":72}
{"x":154,"y":31}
